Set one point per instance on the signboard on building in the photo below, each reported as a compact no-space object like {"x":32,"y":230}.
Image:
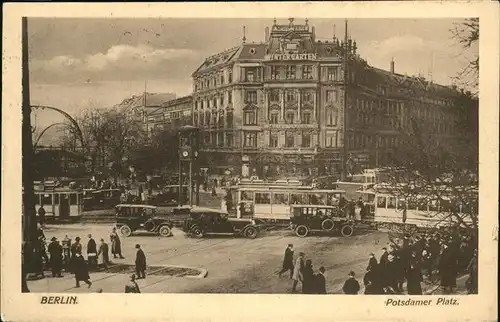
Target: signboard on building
{"x":311,"y":56}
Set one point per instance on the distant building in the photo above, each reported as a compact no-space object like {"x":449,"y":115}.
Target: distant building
{"x":170,"y":114}
{"x":276,"y":108}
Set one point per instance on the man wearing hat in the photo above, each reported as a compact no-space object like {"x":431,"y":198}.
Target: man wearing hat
{"x":288,"y":261}
{"x":91,"y":252}
{"x":66,"y":246}
{"x":140,"y":262}
{"x":132,"y":286}
{"x":75,"y":248}
{"x":56,"y":257}
{"x":351,"y":285}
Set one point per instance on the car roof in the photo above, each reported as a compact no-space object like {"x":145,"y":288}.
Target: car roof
{"x":135,"y":206}
{"x":199,"y":210}
{"x":313,"y":206}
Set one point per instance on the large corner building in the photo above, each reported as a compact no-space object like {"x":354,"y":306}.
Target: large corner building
{"x":277,"y":107}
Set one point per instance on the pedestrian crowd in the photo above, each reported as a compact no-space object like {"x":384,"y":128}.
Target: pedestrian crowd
{"x":432,"y":257}
{"x":68,"y":257}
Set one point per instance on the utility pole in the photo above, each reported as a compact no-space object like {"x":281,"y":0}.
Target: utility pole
{"x":29,"y":212}
{"x":346,"y":76}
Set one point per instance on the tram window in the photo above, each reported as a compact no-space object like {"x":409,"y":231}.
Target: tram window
{"x":332,"y":199}
{"x":381,"y":202}
{"x":422,"y":204}
{"x":401,"y":204}
{"x":412,"y":205}
{"x":371,"y":198}
{"x":297,"y":199}
{"x":72,"y":199}
{"x":247,"y":196}
{"x":433,"y":205}
{"x":314,"y":199}
{"x":38,"y":198}
{"x":391,"y":203}
{"x":262,"y":198}
{"x":56,"y":199}
{"x":46,"y":199}
{"x":280,"y":198}
{"x":445,"y":205}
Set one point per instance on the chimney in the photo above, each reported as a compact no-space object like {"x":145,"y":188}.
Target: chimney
{"x":392,"y":66}
{"x":267,"y":34}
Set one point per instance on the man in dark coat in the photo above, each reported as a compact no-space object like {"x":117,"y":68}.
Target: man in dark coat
{"x":56,"y":257}
{"x":392,"y":274}
{"x":382,"y":267}
{"x":91,"y":252}
{"x":288,"y":261}
{"x":140,"y":262}
{"x":320,"y":281}
{"x":116,"y":245}
{"x":414,"y":276}
{"x":351,"y":285}
{"x":103,"y":254}
{"x":372,"y":262}
{"x":132,"y":286}
{"x":42,"y":245}
{"x":372,"y":281}
{"x":81,"y":270}
{"x":66,"y":246}
{"x":41,"y":215}
{"x":448,"y":268}
{"x":308,"y":278}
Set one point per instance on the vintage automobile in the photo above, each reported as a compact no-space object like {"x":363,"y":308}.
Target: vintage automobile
{"x":205,"y":221}
{"x":310,"y":218}
{"x":100,"y":199}
{"x":131,"y":218}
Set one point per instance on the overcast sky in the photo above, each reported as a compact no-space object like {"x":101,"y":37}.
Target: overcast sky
{"x":79,"y":63}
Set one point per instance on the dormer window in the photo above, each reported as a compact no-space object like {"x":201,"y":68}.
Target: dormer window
{"x":291,"y":46}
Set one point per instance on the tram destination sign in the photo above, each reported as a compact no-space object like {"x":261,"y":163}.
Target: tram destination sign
{"x":291,"y":57}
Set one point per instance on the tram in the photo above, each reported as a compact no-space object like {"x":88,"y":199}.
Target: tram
{"x":272,"y":200}
{"x":60,"y":203}
{"x":383,"y":207}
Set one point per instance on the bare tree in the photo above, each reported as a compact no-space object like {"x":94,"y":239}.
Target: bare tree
{"x":466,"y":33}
{"x":438,"y":173}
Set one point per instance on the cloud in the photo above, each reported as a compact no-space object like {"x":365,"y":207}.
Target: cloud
{"x":117,"y":60}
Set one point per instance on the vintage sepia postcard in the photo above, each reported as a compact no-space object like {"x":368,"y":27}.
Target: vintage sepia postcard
{"x":250,"y":161}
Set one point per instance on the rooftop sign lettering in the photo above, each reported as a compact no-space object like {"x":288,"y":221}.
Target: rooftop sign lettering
{"x":291,"y":57}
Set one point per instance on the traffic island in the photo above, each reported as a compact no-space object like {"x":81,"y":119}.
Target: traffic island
{"x":160,"y":270}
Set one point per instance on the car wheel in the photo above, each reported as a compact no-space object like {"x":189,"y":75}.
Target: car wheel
{"x":347,"y":231}
{"x":301,"y":231}
{"x":197,"y":232}
{"x":327,"y":225}
{"x":125,"y":231}
{"x":165,"y":231}
{"x":251,"y":232}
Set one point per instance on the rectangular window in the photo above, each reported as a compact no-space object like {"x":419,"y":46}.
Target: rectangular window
{"x":220,"y":139}
{"x":251,"y":97}
{"x":229,"y":119}
{"x":229,"y":139}
{"x":291,"y":46}
{"x":230,"y":97}
{"x":273,"y":140}
{"x":230,"y":77}
{"x":290,"y":72}
{"x":250,"y":118}
{"x":222,"y":79}
{"x":250,"y":75}
{"x":46,"y":199}
{"x":381,"y":202}
{"x":275,"y":72}
{"x":251,"y":140}
{"x":332,"y":117}
{"x":298,"y":198}
{"x":274,"y":96}
{"x":332,"y":73}
{"x":289,"y":140}
{"x":263,"y":198}
{"x":307,"y":97}
{"x":306,"y":140}
{"x":290,"y":96}
{"x":305,"y":118}
{"x":331,"y":139}
{"x":280,"y":198}
{"x":247,"y":196}
{"x":289,"y":117}
{"x":331,"y":96}
{"x":391,"y":202}
{"x":274,"y":118}
{"x":307,"y":72}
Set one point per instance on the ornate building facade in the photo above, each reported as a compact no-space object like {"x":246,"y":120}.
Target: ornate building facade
{"x":277,"y":107}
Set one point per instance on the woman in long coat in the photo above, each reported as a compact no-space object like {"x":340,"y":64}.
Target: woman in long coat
{"x":116,"y":245}
{"x":103,"y":254}
{"x":297,"y":271}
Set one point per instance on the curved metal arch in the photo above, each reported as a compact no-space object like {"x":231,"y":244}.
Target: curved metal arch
{"x":67,"y":116}
{"x":35,"y":145}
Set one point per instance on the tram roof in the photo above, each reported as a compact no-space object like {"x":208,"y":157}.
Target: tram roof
{"x":314,"y":206}
{"x":197,"y":209}
{"x":136,"y":206}
{"x":289,"y":189}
